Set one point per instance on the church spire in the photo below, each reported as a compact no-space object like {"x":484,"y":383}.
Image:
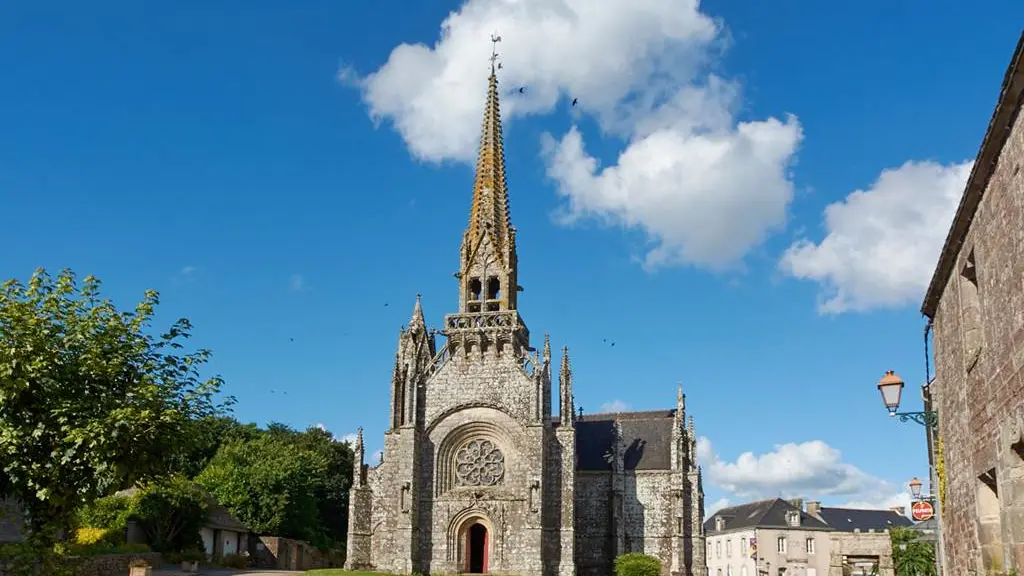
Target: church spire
{"x":488,"y":273}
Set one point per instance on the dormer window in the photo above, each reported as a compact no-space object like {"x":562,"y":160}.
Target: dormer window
{"x":793,"y":518}
{"x":719,"y":523}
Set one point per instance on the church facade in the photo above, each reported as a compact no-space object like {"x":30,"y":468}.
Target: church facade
{"x":479,"y":475}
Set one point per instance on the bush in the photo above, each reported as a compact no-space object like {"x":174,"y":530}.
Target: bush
{"x":635,"y":564}
{"x":90,"y":536}
{"x":234,"y":561}
{"x":111,"y":513}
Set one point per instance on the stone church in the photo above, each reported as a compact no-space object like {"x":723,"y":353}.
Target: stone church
{"x":479,"y":475}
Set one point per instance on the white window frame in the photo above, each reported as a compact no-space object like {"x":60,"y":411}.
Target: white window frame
{"x":809,"y":545}
{"x":780,"y":545}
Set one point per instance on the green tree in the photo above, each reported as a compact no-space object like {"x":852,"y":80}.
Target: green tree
{"x":910,"y":556}
{"x":332,"y":489}
{"x":171,"y":512}
{"x":90,"y":401}
{"x":270,"y":484}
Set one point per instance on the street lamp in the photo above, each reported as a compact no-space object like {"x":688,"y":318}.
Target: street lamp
{"x":915,"y":488}
{"x":891,"y":387}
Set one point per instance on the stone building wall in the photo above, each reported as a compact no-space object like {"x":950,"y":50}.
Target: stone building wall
{"x":978,"y":324}
{"x":11,"y":521}
{"x":848,"y":549}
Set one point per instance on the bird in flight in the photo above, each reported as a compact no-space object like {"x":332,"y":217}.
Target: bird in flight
{"x":574,"y":101}
{"x":522,"y":89}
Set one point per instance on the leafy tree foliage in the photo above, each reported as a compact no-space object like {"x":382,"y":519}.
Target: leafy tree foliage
{"x":268,"y":484}
{"x":284,"y":482}
{"x":90,"y":401}
{"x":171,"y":512}
{"x":910,"y":556}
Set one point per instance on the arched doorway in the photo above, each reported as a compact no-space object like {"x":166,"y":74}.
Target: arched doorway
{"x":476,"y":549}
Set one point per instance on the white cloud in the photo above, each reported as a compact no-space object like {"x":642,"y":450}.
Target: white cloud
{"x":883,"y":502}
{"x":715,"y":506}
{"x":882,"y":244}
{"x":810,"y":469}
{"x":185,"y":275}
{"x":703,"y":188}
{"x":349,"y":438}
{"x":297,"y":283}
{"x":614,"y":406}
{"x":377,"y":458}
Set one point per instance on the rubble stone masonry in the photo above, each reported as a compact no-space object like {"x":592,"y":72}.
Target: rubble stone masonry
{"x":976,"y":302}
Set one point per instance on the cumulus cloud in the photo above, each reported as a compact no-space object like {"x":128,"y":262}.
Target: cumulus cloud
{"x":881,"y":245}
{"x":349,"y":438}
{"x":703,"y":187}
{"x":809,"y":469}
{"x":614,"y":406}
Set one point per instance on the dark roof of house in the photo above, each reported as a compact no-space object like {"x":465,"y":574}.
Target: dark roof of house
{"x":851,"y":519}
{"x":1007,"y":107}
{"x":761,"y":514}
{"x":647,"y":435}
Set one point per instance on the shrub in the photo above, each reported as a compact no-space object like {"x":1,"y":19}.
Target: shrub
{"x":89,"y":536}
{"x":635,"y":564}
{"x":111,"y":513}
{"x":234,"y":561}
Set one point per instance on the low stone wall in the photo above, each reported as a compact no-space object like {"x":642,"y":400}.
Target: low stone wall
{"x":287,"y":554}
{"x":111,"y":564}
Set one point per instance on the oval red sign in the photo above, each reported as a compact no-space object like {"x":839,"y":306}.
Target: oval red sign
{"x":922,"y":510}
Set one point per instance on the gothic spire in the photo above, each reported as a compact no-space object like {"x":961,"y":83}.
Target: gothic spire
{"x":489,"y":213}
{"x":489,"y":266}
{"x":565,"y":401}
{"x":680,"y":404}
{"x":546,"y":354}
{"x":416,"y":322}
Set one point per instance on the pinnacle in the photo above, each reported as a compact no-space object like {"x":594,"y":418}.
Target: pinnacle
{"x":417,"y":321}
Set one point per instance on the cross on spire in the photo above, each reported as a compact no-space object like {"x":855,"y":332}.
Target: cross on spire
{"x":494,"y":52}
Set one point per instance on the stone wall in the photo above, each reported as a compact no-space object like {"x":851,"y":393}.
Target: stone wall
{"x":112,"y":564}
{"x":594,"y":546}
{"x":979,"y":357}
{"x":277,"y":553}
{"x":849,"y":548}
{"x":11,"y":520}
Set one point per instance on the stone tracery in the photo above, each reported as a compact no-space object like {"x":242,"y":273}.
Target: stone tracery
{"x":479,"y":462}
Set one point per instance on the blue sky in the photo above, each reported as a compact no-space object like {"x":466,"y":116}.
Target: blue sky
{"x":290,"y":189}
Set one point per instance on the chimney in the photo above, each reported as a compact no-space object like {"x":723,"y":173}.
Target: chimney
{"x":814,"y":508}
{"x":901,"y":510}
{"x":798,"y":503}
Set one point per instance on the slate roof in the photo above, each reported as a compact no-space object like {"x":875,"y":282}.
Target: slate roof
{"x":850,"y":519}
{"x":761,"y":514}
{"x":647,"y":435}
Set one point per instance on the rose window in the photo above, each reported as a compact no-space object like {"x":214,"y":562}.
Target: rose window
{"x":479,"y":463}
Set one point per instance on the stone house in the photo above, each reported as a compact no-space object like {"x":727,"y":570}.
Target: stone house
{"x":766,"y":537}
{"x":975,"y":307}
{"x":479,"y":474}
{"x":779,"y":537}
{"x":860,"y":540}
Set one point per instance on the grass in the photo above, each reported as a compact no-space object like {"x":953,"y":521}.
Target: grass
{"x":340,"y":572}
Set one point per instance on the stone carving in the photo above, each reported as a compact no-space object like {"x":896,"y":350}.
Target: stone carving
{"x":479,"y":463}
